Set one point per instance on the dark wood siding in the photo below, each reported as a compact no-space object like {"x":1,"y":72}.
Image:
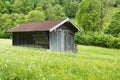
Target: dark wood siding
{"x":36,"y":39}
{"x":41,"y":39}
{"x":23,"y":38}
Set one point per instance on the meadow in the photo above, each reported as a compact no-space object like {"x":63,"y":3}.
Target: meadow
{"x":27,"y":63}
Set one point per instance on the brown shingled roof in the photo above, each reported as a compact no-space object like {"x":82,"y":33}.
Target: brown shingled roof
{"x":38,"y":26}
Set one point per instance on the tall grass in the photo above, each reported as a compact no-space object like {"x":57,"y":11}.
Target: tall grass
{"x":90,"y":63}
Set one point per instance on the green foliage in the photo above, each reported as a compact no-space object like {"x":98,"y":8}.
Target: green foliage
{"x":117,"y":3}
{"x":90,"y":63}
{"x":54,"y":12}
{"x":87,"y":15}
{"x":5,"y":35}
{"x":70,"y":8}
{"x":5,"y":21}
{"x":25,"y":6}
{"x":114,"y":27}
{"x":1,"y":6}
{"x":96,"y":39}
{"x":91,"y":15}
{"x":35,"y":15}
{"x":106,"y":3}
{"x":7,"y":8}
{"x":8,"y":21}
{"x":18,"y":7}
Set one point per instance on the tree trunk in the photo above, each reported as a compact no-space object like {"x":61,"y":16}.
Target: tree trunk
{"x":101,"y":18}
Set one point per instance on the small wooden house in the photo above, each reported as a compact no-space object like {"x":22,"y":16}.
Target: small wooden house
{"x":56,"y":35}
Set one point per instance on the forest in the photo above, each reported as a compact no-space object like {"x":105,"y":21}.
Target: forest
{"x":98,"y":20}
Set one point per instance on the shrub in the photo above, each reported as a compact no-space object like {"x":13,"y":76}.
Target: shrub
{"x":5,"y":34}
{"x":97,"y":39}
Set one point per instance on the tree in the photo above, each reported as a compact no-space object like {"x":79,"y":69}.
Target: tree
{"x":54,"y":12}
{"x":58,"y":11}
{"x":70,"y":8}
{"x":103,"y":6}
{"x":20,"y":19}
{"x":35,"y":15}
{"x":87,"y":15}
{"x":17,"y":7}
{"x":94,"y":9}
{"x":7,"y":8}
{"x":1,"y":6}
{"x":114,"y":27}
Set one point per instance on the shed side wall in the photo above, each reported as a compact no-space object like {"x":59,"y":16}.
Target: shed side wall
{"x":36,"y":39}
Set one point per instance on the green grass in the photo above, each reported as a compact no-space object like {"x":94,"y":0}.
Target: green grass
{"x":90,"y":63}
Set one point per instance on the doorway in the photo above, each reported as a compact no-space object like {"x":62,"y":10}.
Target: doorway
{"x":69,"y":42}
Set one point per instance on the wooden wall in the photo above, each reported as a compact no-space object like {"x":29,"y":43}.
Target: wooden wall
{"x":41,"y":39}
{"x":62,"y":39}
{"x":57,"y":41}
{"x":23,"y":38}
{"x":36,"y":39}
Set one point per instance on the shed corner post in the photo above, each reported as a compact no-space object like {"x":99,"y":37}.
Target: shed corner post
{"x":50,"y":46}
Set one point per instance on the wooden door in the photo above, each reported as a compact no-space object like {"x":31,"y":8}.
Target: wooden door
{"x":69,"y":42}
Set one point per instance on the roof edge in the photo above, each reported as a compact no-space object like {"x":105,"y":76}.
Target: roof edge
{"x":56,"y":26}
{"x":63,"y":23}
{"x":75,"y":26}
{"x":10,"y":30}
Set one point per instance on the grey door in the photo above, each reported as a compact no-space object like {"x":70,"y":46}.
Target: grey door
{"x":69,"y":42}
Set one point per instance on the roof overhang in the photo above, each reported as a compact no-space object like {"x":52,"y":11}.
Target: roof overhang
{"x":61,"y":23}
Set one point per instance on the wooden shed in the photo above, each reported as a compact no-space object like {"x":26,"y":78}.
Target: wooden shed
{"x":56,"y":35}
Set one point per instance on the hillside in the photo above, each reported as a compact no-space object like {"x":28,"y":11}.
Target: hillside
{"x":90,"y":63}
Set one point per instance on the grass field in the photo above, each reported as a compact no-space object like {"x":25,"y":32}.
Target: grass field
{"x":90,"y":63}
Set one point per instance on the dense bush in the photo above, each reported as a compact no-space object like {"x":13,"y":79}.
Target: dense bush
{"x":96,"y":39}
{"x":5,"y":34}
